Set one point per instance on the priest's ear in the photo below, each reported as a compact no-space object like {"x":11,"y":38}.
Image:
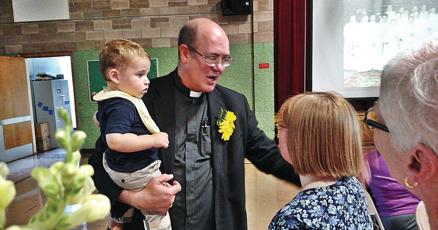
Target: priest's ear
{"x":184,"y":52}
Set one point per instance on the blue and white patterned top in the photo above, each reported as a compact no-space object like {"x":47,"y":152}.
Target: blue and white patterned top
{"x":339,"y":206}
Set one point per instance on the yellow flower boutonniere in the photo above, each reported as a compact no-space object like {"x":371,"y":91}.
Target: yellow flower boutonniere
{"x":225,"y":122}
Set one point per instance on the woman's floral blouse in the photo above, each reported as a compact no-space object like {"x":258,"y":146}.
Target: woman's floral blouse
{"x":338,"y":206}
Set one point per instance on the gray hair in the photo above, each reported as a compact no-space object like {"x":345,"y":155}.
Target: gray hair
{"x":409,"y":97}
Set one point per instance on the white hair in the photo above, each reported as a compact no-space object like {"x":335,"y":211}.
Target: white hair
{"x":409,"y":97}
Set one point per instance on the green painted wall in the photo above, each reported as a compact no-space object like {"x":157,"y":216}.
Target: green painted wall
{"x":84,"y":108}
{"x":264,"y":87}
{"x":243,"y":76}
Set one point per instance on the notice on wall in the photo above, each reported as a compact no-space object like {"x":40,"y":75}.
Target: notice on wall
{"x":40,"y":10}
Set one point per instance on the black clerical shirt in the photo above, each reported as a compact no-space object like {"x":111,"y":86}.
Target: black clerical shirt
{"x":193,"y":207}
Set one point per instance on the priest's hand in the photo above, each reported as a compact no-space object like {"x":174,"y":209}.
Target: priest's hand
{"x":157,"y":197}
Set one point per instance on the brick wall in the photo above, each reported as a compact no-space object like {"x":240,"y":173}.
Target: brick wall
{"x":151,"y":23}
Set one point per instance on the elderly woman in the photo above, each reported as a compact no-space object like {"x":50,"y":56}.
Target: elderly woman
{"x":406,"y":125}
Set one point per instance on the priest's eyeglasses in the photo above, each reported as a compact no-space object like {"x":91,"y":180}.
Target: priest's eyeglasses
{"x":213,"y":60}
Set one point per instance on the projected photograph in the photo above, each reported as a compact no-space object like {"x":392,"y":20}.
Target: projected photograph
{"x":375,"y":33}
{"x":352,"y":40}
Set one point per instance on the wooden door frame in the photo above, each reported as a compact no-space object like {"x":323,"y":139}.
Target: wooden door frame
{"x":44,"y":55}
{"x":56,"y":54}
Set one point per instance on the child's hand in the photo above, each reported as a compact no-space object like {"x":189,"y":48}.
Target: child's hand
{"x":95,"y":121}
{"x":161,"y":140}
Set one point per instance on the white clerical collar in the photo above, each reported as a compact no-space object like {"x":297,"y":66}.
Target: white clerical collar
{"x":195,"y":94}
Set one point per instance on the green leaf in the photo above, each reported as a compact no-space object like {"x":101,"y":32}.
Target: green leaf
{"x":47,"y":182}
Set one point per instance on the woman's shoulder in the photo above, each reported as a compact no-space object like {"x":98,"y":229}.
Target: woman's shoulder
{"x":287,"y":217}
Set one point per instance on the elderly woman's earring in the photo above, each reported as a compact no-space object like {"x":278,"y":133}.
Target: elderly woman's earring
{"x":409,"y":185}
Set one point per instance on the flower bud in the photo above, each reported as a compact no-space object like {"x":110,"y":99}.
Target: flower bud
{"x":60,"y":138}
{"x":93,"y":208}
{"x":98,"y":205}
{"x":62,"y":113}
{"x":4,"y":171}
{"x":7,"y":191}
{"x":78,"y":140}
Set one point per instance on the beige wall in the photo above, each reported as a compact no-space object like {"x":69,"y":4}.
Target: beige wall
{"x":152,"y":23}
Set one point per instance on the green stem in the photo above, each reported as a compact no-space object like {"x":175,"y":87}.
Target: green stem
{"x":50,"y":215}
{"x":2,"y":219}
{"x":69,"y":155}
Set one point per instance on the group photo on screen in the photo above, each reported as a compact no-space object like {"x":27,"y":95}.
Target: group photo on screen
{"x":374,"y":34}
{"x":352,"y":40}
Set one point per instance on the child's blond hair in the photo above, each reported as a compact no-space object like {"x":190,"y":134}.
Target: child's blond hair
{"x":118,"y":53}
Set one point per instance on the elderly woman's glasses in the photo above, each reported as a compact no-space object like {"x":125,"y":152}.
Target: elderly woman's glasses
{"x":370,"y":121}
{"x":213,"y":59}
